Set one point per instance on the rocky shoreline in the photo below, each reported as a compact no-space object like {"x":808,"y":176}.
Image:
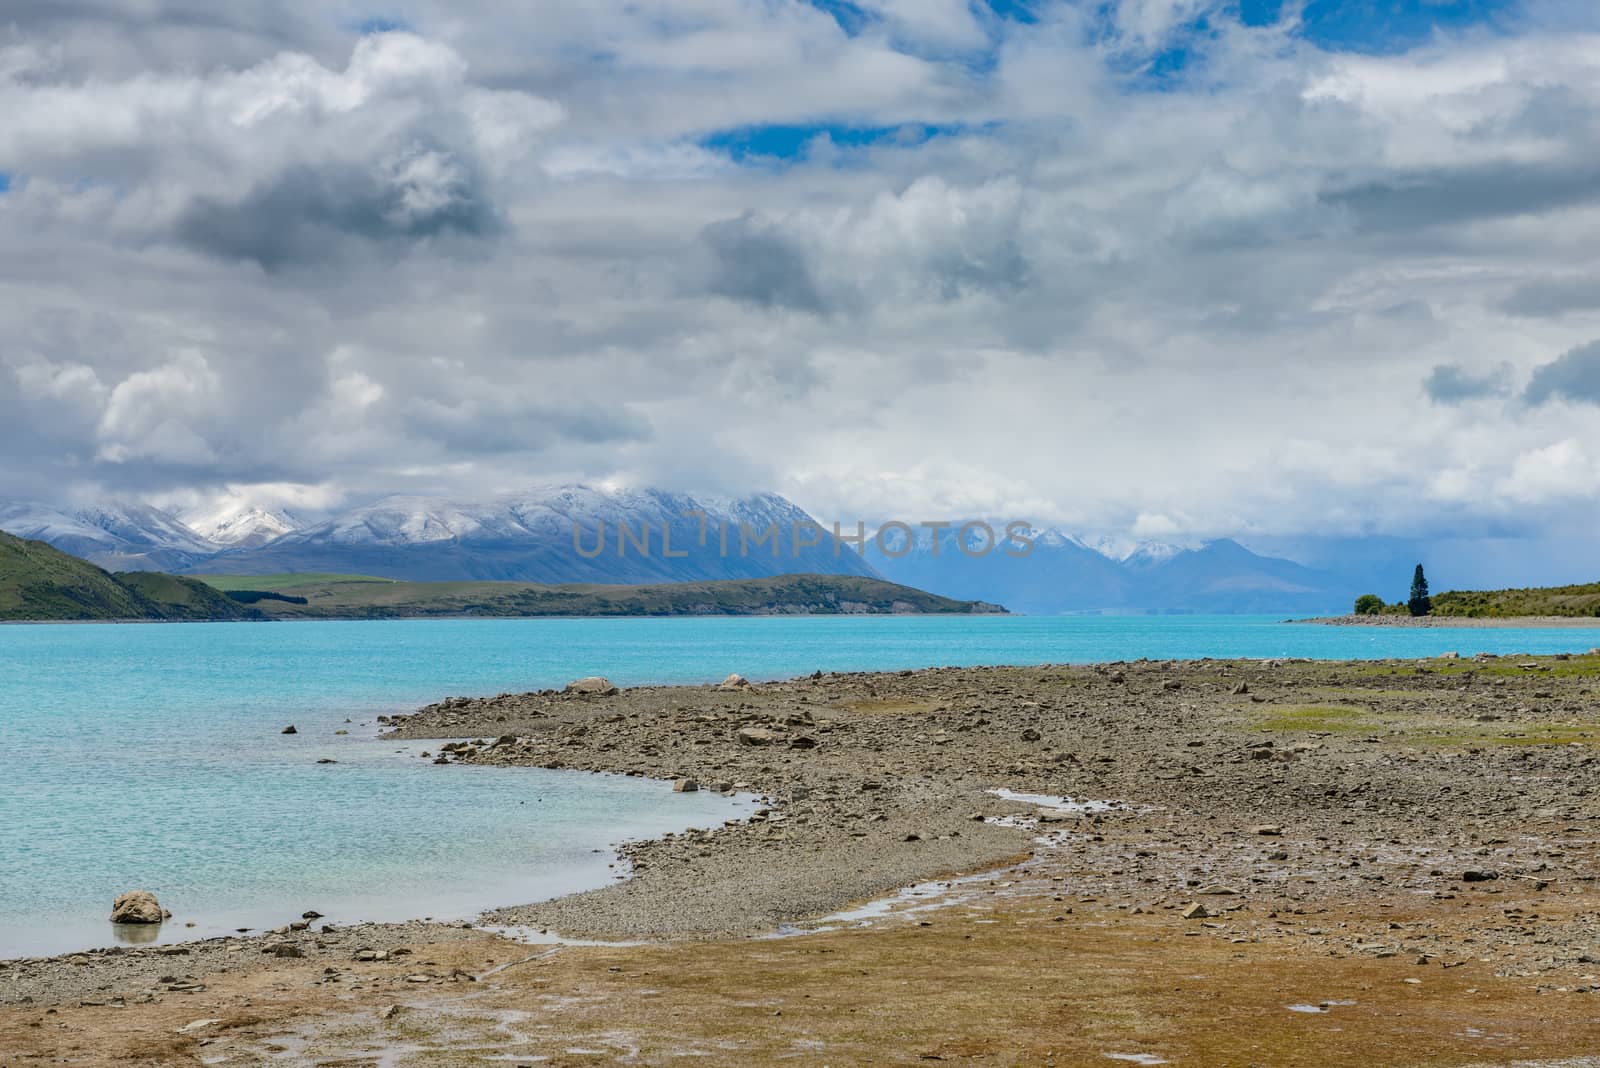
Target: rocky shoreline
{"x":1437,"y":817}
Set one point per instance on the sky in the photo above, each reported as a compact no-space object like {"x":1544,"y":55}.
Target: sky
{"x":1139,"y":268}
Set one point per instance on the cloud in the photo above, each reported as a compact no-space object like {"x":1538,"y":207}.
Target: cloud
{"x":288,"y":160}
{"x":1550,"y":298}
{"x":753,"y":260}
{"x":1574,"y":377}
{"x":1145,"y":267}
{"x":1450,"y":384}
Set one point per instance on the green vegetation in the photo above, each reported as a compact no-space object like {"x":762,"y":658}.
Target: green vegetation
{"x":39,"y":582}
{"x":1570,"y":601}
{"x":279,"y":583}
{"x":1423,"y":730}
{"x":360,"y":597}
{"x":256,"y":596}
{"x":1368,"y":604}
{"x":1419,"y":603}
{"x":1332,"y":719}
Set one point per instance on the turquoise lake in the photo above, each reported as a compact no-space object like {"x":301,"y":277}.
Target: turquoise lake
{"x":150,"y":756}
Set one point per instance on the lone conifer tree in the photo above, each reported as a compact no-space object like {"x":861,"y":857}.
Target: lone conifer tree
{"x":1419,"y":602}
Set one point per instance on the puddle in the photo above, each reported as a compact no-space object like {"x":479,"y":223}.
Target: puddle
{"x":1136,"y":1058}
{"x":1054,"y":803}
{"x":1319,"y":1007}
{"x":533,"y":936}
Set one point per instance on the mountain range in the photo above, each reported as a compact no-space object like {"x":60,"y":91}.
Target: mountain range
{"x":529,"y":537}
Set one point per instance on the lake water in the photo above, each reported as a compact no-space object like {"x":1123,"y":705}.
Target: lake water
{"x":151,"y":756}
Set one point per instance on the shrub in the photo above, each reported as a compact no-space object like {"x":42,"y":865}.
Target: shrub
{"x":1368,"y":604}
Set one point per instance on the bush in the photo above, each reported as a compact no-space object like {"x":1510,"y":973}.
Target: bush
{"x":1369,"y":604}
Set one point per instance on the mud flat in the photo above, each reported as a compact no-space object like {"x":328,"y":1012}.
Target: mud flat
{"x":1291,"y":862}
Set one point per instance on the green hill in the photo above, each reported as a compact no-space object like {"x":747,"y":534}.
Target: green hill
{"x":364,"y":597}
{"x":1500,"y":604}
{"x":42,"y":583}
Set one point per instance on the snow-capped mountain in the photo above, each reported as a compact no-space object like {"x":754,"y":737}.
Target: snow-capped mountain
{"x":1150,"y":554}
{"x":622,"y":536}
{"x":529,"y":536}
{"x":242,"y":526}
{"x":117,"y":535}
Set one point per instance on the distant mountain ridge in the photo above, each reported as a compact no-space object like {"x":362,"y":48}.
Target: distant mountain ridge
{"x":552,"y":535}
{"x":1064,"y":573}
{"x":528,"y":537}
{"x":117,"y":535}
{"x":243,"y":526}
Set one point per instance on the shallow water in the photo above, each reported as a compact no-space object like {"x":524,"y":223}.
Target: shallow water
{"x":150,"y":756}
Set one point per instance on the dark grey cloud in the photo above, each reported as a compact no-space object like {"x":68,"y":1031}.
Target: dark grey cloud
{"x":1575,"y":377}
{"x":308,"y":215}
{"x":1550,"y":298}
{"x":752,"y":260}
{"x":1431,"y":197}
{"x":1449,"y":383}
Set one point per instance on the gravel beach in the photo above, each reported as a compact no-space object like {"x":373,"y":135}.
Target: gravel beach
{"x":1382,"y":821}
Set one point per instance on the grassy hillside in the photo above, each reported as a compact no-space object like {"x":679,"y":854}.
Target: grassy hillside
{"x":39,"y":582}
{"x":177,"y":597}
{"x":1496,"y":604}
{"x":279,"y":583}
{"x":362,"y":597}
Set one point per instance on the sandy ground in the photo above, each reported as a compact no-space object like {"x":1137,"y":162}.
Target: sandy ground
{"x":1393,"y":863}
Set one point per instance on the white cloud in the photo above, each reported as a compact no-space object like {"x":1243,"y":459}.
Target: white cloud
{"x":1202,"y":310}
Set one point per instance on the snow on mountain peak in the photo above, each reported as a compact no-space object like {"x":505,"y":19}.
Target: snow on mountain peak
{"x":240,"y":525}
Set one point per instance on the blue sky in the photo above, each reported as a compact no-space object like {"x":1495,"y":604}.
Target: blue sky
{"x":1377,"y":27}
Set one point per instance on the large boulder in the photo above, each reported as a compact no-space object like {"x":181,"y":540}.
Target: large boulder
{"x":757,"y":736}
{"x":137,"y":906}
{"x":593,"y":684}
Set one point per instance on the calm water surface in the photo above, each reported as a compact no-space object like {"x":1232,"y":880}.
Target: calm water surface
{"x":151,"y":756}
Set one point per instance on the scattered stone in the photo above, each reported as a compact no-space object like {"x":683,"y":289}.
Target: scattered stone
{"x":1241,"y":689}
{"x":287,"y":949}
{"x":1031,"y":735}
{"x":1196,"y":911}
{"x":756,"y":736}
{"x":685,"y":786}
{"x":1479,"y":876}
{"x":290,"y":729}
{"x":1270,"y":829}
{"x":735,"y":682}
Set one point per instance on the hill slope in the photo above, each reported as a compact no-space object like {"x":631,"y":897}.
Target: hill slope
{"x":42,"y":583}
{"x":362,"y":597}
{"x":1503,"y":604}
